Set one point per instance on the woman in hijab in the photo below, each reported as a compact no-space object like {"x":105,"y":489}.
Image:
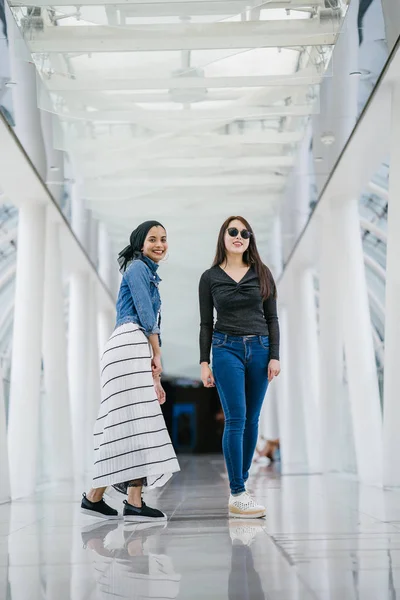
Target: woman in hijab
{"x":132,"y":445}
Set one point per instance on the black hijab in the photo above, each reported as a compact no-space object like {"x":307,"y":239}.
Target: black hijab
{"x":137,"y":239}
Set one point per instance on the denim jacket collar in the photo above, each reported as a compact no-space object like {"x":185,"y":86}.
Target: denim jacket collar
{"x":153,"y":266}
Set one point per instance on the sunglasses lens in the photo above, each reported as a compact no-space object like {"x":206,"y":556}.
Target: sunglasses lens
{"x":245,"y":234}
{"x":233,"y":232}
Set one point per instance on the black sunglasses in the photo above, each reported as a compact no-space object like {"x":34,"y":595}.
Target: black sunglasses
{"x":234,"y":232}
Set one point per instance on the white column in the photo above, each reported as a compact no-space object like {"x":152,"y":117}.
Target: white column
{"x":269,"y":419}
{"x":55,"y":359}
{"x":105,"y":319}
{"x":295,"y":351}
{"x":93,"y":377}
{"x":358,"y":343}
{"x":105,"y":326}
{"x":307,"y":358}
{"x":270,"y":415}
{"x":391,"y":15}
{"x":78,"y":366}
{"x":27,"y":346}
{"x":54,"y":157}
{"x":26,"y":112}
{"x":391,"y":411}
{"x":275,"y":248}
{"x":338,"y":98}
{"x":330,"y":343}
{"x":78,"y":342}
{"x":4,"y":470}
{"x":291,"y":423}
{"x":93,"y":241}
{"x":301,"y":189}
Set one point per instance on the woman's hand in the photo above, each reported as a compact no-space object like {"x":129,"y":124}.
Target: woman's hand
{"x":274,"y":368}
{"x":156,"y":366}
{"x":160,"y":392}
{"x":207,"y":376}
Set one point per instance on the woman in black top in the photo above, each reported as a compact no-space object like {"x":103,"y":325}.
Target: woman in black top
{"x":245,"y":348}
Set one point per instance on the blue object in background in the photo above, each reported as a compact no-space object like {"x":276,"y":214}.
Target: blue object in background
{"x":184,"y":427}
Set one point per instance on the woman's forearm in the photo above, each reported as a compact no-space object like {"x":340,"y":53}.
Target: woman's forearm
{"x":155,"y":344}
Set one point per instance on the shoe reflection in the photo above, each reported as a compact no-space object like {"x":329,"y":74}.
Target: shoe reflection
{"x":244,"y":581}
{"x":127,"y":562}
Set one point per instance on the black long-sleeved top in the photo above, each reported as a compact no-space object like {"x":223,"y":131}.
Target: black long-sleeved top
{"x":240,"y":309}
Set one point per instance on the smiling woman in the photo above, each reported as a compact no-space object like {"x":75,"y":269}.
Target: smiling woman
{"x":131,"y":442}
{"x":245,"y":349}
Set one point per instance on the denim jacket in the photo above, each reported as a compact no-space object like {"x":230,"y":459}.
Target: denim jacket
{"x":138,"y":298}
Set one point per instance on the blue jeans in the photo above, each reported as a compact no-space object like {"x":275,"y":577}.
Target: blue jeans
{"x":240,"y":367}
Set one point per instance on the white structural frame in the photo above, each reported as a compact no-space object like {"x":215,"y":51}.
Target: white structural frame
{"x":348,"y":321}
{"x":24,"y":188}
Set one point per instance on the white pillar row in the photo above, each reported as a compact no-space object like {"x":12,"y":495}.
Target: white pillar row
{"x":269,"y":419}
{"x":391,"y":405}
{"x":275,"y":248}
{"x":4,"y":470}
{"x":54,"y":157}
{"x":308,"y":364}
{"x":27,"y":346}
{"x":78,"y":342}
{"x":282,"y":389}
{"x":391,"y":15}
{"x":93,"y":241}
{"x":302,"y":183}
{"x":93,"y":377}
{"x":55,"y":359}
{"x":291,"y":414}
{"x":105,"y":326}
{"x":296,"y":404}
{"x":106,"y":318}
{"x":358,"y":343}
{"x":26,"y":112}
{"x":270,"y":414}
{"x":78,"y":366}
{"x":330,"y":343}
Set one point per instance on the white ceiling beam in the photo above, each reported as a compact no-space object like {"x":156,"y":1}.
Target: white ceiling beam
{"x":109,"y":166}
{"x":184,"y":36}
{"x":122,"y":189}
{"x":139,"y":8}
{"x":108,"y":81}
{"x":102,"y":155}
{"x":189,"y":116}
{"x":110,"y":143}
{"x":79,"y":97}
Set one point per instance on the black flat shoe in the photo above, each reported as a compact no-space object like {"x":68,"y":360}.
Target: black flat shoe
{"x":143,"y":514}
{"x":98,"y":509}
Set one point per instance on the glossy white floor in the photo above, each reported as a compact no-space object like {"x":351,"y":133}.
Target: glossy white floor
{"x":324,"y":538}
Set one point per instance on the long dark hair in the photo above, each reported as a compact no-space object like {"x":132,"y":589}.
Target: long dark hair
{"x":251,"y":257}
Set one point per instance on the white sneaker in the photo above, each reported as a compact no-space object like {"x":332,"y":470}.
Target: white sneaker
{"x":244,"y":507}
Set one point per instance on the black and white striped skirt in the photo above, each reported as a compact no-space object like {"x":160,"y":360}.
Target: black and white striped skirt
{"x":131,"y":440}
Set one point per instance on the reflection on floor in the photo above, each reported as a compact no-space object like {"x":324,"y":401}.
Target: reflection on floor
{"x":325,"y":538}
